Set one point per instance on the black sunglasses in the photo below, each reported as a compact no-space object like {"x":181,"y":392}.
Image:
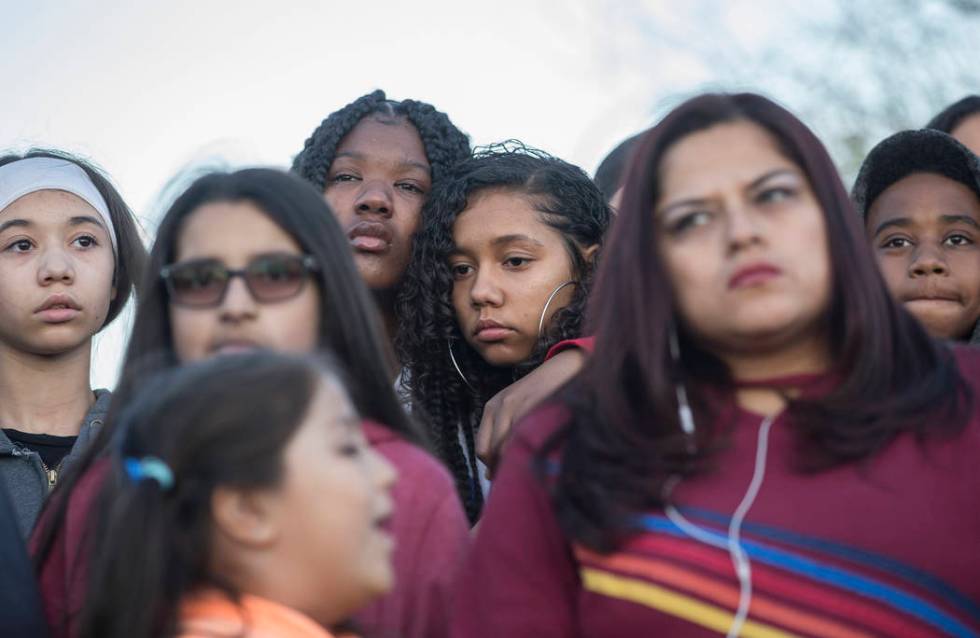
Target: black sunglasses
{"x":203,"y":283}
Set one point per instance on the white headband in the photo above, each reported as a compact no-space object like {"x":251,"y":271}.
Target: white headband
{"x":48,"y":173}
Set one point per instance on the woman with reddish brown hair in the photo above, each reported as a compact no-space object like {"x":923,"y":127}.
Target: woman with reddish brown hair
{"x":763,"y":438}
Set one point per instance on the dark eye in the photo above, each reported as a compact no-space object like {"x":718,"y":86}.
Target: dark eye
{"x":516,"y":262}
{"x":897,"y":242}
{"x":343,"y":177}
{"x":690,"y":220}
{"x":775,"y":194}
{"x":958,"y":240}
{"x":86,"y":241}
{"x":460,"y":271}
{"x":410,"y":187}
{"x":20,"y":246}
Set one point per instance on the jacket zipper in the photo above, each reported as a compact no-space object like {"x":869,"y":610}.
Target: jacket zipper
{"x":51,"y":473}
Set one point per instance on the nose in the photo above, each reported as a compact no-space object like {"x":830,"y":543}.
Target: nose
{"x":375,"y":198}
{"x":742,"y":228}
{"x":56,"y":267}
{"x":927,"y":261}
{"x":385,"y":473}
{"x":239,"y":304}
{"x":485,"y":291}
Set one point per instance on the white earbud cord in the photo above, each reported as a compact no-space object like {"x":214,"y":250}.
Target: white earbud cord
{"x":740,"y":561}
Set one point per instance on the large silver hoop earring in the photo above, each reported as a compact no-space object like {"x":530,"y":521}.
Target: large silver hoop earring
{"x":684,"y":412}
{"x":551,"y":298}
{"x":459,"y":371}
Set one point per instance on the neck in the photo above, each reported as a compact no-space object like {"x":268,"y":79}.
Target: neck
{"x":385,"y":302}
{"x":810,"y":356}
{"x":45,"y":394}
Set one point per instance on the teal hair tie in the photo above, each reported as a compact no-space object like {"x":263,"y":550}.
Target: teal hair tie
{"x":149,"y":468}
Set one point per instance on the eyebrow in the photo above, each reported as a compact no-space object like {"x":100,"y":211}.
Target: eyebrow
{"x":11,"y":223}
{"x":405,"y":163}
{"x":507,"y":239}
{"x":960,"y":219}
{"x":898,"y":222}
{"x":905,"y":222}
{"x":74,"y":221}
{"x":500,"y":241}
{"x":85,"y":219}
{"x":758,"y":181}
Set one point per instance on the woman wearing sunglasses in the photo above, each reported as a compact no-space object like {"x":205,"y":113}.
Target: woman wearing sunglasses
{"x":254,"y":259}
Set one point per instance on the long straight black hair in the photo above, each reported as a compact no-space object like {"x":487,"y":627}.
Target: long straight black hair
{"x":349,"y":322}
{"x":130,"y":253}
{"x":224,"y":422}
{"x":624,"y":438}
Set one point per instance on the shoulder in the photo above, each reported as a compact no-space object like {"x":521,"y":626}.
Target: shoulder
{"x":968,"y":360}
{"x":540,"y":425}
{"x":412,"y":462}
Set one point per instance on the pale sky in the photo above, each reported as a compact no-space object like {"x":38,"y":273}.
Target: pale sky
{"x":144,"y":89}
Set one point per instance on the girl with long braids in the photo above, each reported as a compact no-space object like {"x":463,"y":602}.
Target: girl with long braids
{"x":500,"y":273}
{"x":70,"y":252}
{"x":375,"y":161}
{"x":255,"y":259}
{"x":763,"y":442}
{"x":242,"y":499}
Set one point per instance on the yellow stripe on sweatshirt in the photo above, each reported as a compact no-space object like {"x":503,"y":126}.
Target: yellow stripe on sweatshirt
{"x":690,"y":609}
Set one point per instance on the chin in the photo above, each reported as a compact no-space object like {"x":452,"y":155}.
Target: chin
{"x":502,"y":356}
{"x":943,"y":327}
{"x":56,"y":347}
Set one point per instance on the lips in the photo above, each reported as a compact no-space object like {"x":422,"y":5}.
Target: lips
{"x":370,"y":237}
{"x":233,"y":346}
{"x":937,"y":298}
{"x":755,"y":274}
{"x":490,"y":331}
{"x":58,"y":308}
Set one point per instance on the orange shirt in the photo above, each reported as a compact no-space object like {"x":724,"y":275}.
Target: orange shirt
{"x":212,"y":614}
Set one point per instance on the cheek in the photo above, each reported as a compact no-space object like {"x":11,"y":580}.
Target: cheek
{"x":341,"y":203}
{"x":190,"y":330}
{"x":893,"y":270}
{"x":965,"y":268}
{"x":460,"y":296}
{"x":296,"y":323}
{"x":695,"y":273}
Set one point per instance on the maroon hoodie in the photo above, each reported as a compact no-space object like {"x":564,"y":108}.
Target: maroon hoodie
{"x":886,"y":548}
{"x":430,"y":530}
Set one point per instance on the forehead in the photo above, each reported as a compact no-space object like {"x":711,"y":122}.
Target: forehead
{"x":968,"y":132}
{"x":330,"y":406}
{"x":497,"y":214}
{"x":384,"y":140}
{"x":48,"y":207}
{"x":730,"y":154}
{"x":924,"y":196}
{"x":231,"y":231}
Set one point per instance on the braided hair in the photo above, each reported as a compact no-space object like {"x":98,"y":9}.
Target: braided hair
{"x":568,"y":201}
{"x":444,"y":144}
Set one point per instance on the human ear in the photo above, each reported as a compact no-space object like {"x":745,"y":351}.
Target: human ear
{"x":589,"y":253}
{"x":246,"y":517}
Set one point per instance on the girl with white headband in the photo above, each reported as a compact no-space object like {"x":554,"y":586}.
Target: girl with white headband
{"x":69,"y":253}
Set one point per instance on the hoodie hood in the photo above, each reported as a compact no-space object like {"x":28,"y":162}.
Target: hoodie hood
{"x":908,"y":152}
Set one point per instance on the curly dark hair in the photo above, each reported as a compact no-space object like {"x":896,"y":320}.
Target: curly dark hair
{"x":567,"y":201}
{"x":445,"y":145}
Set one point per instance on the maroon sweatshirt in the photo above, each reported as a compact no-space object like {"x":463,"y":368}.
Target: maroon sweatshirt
{"x":430,"y":530}
{"x":890,"y":548}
